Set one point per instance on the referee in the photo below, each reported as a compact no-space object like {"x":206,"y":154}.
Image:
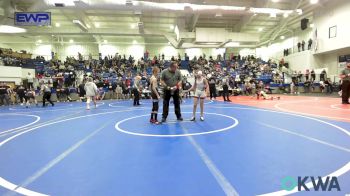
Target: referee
{"x":171,"y":80}
{"x":345,"y":76}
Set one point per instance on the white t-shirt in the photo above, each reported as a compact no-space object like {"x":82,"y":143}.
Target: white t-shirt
{"x":30,"y":78}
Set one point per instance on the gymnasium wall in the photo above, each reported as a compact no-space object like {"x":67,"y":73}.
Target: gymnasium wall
{"x":333,"y":14}
{"x":275,"y":49}
{"x":14,"y":74}
{"x":137,"y":50}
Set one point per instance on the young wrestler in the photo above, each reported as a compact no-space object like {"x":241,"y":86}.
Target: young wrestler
{"x":155,"y":95}
{"x":200,"y":89}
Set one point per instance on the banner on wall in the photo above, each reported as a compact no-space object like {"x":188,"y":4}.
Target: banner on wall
{"x":32,"y":18}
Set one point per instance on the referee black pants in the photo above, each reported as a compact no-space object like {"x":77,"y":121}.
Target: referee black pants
{"x":47,"y":96}
{"x":166,"y":99}
{"x":136,"y":93}
{"x":212,"y":90}
{"x":345,"y":91}
{"x":225,"y":93}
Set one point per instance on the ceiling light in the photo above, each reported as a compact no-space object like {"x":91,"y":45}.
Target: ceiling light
{"x":285,"y":15}
{"x":40,"y":41}
{"x":11,"y":29}
{"x":299,"y":11}
{"x":71,"y":41}
{"x":313,"y":1}
{"x":97,"y":25}
{"x":134,"y":42}
{"x":171,"y":27}
{"x":269,"y":11}
{"x":273,"y":15}
{"x":132,"y":26}
{"x":218,"y":15}
{"x":80,"y":25}
{"x":282,"y":37}
{"x":312,"y":25}
{"x":168,"y":43}
{"x":88,"y":26}
{"x":260,"y":29}
{"x":128,"y":2}
{"x":105,"y":41}
{"x":275,"y":1}
{"x":57,"y":24}
{"x":183,"y":6}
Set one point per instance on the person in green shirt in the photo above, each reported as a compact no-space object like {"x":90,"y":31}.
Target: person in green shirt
{"x":171,"y":80}
{"x":345,"y":76}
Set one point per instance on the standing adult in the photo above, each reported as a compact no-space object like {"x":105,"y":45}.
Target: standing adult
{"x":307,"y":75}
{"x":81,"y":90}
{"x":323,"y":75}
{"x":21,"y":92}
{"x":225,"y":92}
{"x":136,"y":90}
{"x":4,"y":95}
{"x":91,"y":93}
{"x":30,"y":80}
{"x":212,"y":87}
{"x":171,"y":80}
{"x":313,"y":75}
{"x":345,"y":76}
{"x":299,"y":45}
{"x":303,"y":45}
{"x":46,"y":93}
{"x":309,"y":44}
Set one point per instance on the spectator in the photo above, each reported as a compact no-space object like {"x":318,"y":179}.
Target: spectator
{"x":212,"y":86}
{"x":309,"y":44}
{"x":323,"y":75}
{"x":30,"y":80}
{"x":328,"y":86}
{"x":345,"y":76}
{"x":137,"y":89}
{"x":303,"y":45}
{"x":307,"y":85}
{"x":307,"y":75}
{"x":225,"y":86}
{"x":4,"y":95}
{"x":313,"y":75}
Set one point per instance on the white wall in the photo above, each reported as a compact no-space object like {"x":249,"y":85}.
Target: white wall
{"x":43,"y":50}
{"x":72,"y":50}
{"x":334,"y":13}
{"x":14,"y":74}
{"x":135,"y":50}
{"x":11,"y":74}
{"x":25,"y":72}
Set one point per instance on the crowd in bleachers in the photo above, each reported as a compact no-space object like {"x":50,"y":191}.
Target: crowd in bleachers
{"x":117,"y":72}
{"x":114,"y":74}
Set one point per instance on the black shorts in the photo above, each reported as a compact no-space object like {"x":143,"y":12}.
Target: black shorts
{"x":154,"y":96}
